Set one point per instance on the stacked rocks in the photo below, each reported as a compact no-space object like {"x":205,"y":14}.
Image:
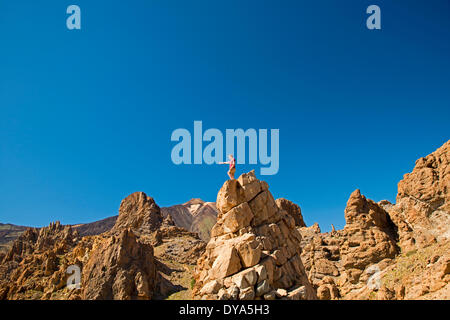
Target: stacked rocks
{"x":254,"y":250}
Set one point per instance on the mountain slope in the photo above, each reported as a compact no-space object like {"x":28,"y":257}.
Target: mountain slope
{"x":96,"y":227}
{"x":8,"y":233}
{"x":195,"y":215}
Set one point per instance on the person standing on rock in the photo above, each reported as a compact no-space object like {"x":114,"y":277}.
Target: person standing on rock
{"x":232,"y":164}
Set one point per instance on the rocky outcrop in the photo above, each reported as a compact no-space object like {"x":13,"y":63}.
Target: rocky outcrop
{"x":369,"y":235}
{"x":28,"y":269}
{"x":120,"y":267}
{"x":254,"y":251}
{"x":388,"y":251}
{"x":259,"y":248}
{"x":140,"y":213}
{"x":195,"y":216}
{"x":292,"y":209}
{"x":341,"y":261}
{"x":422,"y":210}
{"x":35,"y":240}
{"x":119,"y":264}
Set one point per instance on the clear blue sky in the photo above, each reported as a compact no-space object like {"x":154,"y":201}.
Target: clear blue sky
{"x":86,"y":116}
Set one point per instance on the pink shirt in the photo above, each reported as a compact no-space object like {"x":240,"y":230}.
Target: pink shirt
{"x":232,"y":163}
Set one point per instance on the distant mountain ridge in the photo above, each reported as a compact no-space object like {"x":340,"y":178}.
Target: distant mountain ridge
{"x":96,"y":227}
{"x":8,"y":233}
{"x":195,"y":215}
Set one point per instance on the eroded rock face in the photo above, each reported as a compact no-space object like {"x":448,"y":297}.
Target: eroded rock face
{"x":28,"y":269}
{"x":138,"y":212}
{"x":339,"y":262}
{"x":369,"y":235}
{"x":120,"y":267}
{"x":422,"y":211}
{"x":254,"y":248}
{"x":119,"y":264}
{"x":293,"y":209}
{"x":35,"y":240}
{"x":405,"y":245}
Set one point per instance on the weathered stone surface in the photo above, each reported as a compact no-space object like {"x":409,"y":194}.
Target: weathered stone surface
{"x":249,"y":252}
{"x":385,"y":238}
{"x":293,"y":210}
{"x":247,"y":294}
{"x":368,"y":237}
{"x":259,"y":249}
{"x":114,"y":265}
{"x":263,"y":236}
{"x":227,"y":263}
{"x":270,"y":296}
{"x":138,"y":212}
{"x":262,"y":288}
{"x":211,"y":287}
{"x":422,"y":211}
{"x":230,"y":195}
{"x":120,"y":267}
{"x":297,"y":294}
{"x":237,"y":218}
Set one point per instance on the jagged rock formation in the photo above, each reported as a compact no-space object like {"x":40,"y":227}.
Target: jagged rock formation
{"x":259,"y":248}
{"x":343,"y":259}
{"x":293,"y":209}
{"x":140,"y":213}
{"x":35,"y":240}
{"x":422,"y":215}
{"x":120,"y":267}
{"x":422,"y":211}
{"x":195,"y":215}
{"x":388,"y":251}
{"x":26,"y":270}
{"x":8,"y":233}
{"x":369,"y":235}
{"x":254,"y":251}
{"x":119,"y":264}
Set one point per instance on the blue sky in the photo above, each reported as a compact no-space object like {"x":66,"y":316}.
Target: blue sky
{"x":86,"y":115}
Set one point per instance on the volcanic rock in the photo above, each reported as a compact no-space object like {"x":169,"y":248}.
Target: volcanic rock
{"x":120,"y":267}
{"x":422,"y":210}
{"x":138,"y":212}
{"x":293,"y":209}
{"x":254,"y":247}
